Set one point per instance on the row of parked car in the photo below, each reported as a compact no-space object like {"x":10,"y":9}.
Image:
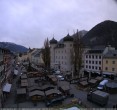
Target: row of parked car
{"x":59,"y":75}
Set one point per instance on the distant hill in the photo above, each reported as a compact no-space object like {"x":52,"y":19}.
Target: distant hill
{"x":13,"y":47}
{"x":81,"y":33}
{"x":104,"y":33}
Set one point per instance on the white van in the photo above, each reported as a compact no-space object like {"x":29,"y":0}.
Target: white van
{"x":102,"y":84}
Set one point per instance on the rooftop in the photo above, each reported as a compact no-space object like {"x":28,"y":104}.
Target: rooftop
{"x":94,"y":51}
{"x":111,"y":54}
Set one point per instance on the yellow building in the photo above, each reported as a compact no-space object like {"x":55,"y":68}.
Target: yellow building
{"x":110,"y":63}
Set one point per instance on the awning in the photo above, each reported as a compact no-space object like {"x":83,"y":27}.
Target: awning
{"x":98,"y":73}
{"x":109,"y":73}
{"x":7,"y":87}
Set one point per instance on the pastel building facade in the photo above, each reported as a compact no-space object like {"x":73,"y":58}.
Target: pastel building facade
{"x":110,"y":63}
{"x":94,"y":59}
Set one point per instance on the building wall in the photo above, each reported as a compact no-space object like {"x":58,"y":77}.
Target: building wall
{"x":5,"y":67}
{"x":61,"y":56}
{"x":83,"y":55}
{"x":24,"y":57}
{"x":93,"y":62}
{"x":52,"y":55}
{"x":37,"y":59}
{"x":110,"y":65}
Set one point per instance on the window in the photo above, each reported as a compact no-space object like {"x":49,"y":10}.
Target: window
{"x":93,"y":56}
{"x":89,"y":62}
{"x":92,"y":62}
{"x":96,"y":62}
{"x":100,"y":62}
{"x":89,"y":56}
{"x":113,"y":69}
{"x":99,"y":57}
{"x":113,"y":62}
{"x":92,"y":67}
{"x":86,"y":61}
{"x":96,"y":56}
{"x":89,"y":67}
{"x":106,"y":61}
{"x":99,"y":68}
{"x":106,"y":68}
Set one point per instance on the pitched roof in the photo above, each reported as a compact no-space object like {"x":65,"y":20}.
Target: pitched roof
{"x":52,"y":91}
{"x":36,"y":92}
{"x":94,"y":52}
{"x":111,"y":54}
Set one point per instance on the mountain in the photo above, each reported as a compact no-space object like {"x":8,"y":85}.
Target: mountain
{"x":13,"y":47}
{"x":104,"y":33}
{"x":82,"y":33}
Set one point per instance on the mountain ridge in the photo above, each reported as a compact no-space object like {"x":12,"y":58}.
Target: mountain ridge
{"x":15,"y":48}
{"x":104,"y":33}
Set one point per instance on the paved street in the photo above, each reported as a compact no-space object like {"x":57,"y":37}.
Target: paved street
{"x":83,"y":96}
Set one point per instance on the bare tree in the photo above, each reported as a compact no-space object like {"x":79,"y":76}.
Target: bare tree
{"x":77,"y":54}
{"x":46,"y":53}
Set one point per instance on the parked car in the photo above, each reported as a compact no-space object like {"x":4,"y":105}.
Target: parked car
{"x":55,"y":101}
{"x":60,"y":77}
{"x":102,"y":84}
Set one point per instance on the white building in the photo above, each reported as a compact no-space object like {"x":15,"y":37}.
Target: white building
{"x":94,"y":59}
{"x":33,"y":55}
{"x":60,"y":53}
{"x":36,"y":57}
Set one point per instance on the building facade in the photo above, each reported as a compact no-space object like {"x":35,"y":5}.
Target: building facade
{"x":5,"y":71}
{"x":36,"y":57}
{"x":33,"y":55}
{"x":60,"y":53}
{"x":110,"y":63}
{"x":94,"y":59}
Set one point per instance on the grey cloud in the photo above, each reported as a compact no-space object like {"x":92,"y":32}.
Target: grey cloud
{"x":29,"y":22}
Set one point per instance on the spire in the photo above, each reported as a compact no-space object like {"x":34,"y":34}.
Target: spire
{"x":53,"y":41}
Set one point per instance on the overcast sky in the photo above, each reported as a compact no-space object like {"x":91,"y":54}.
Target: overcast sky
{"x":29,"y":22}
